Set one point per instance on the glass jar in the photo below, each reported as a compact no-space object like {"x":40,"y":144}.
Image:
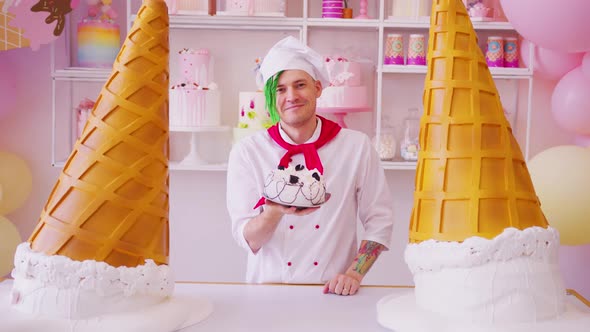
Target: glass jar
{"x":409,"y":145}
{"x":386,"y":145}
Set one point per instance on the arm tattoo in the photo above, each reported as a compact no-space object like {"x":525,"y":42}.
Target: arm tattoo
{"x":367,"y":255}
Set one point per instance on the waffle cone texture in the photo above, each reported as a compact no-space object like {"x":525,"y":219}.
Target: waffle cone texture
{"x":471,"y":179}
{"x":111,"y":201}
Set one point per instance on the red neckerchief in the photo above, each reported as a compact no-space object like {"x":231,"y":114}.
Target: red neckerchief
{"x":310,"y":150}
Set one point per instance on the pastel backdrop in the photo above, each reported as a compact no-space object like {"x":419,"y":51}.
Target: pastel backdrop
{"x":199,"y":221}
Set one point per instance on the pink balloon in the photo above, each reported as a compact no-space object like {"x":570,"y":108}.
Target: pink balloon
{"x":548,"y":63}
{"x":7,"y":89}
{"x":555,"y":24}
{"x":586,"y":64}
{"x":583,"y":141}
{"x":570,"y":102}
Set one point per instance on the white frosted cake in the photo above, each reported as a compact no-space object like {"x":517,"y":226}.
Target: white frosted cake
{"x":510,"y":283}
{"x":195,"y":101}
{"x":57,"y":286}
{"x":409,"y":8}
{"x":188,"y":7}
{"x":295,"y":186}
{"x":252,"y":114}
{"x":346,"y":89}
{"x":255,"y":7}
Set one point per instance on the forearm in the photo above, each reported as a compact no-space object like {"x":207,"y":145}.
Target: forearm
{"x":367,"y":255}
{"x":260,"y":229}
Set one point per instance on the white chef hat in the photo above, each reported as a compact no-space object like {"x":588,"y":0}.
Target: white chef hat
{"x":290,"y":53}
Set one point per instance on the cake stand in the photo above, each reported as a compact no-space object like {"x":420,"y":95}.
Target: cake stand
{"x":340,"y":112}
{"x":193,"y":158}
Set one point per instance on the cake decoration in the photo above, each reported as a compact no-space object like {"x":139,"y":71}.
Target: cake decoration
{"x":345,"y":87}
{"x":253,"y":115}
{"x":481,"y":252}
{"x":98,"y":258}
{"x":295,"y":186}
{"x":57,"y":10}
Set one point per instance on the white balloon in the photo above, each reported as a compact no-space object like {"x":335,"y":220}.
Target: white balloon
{"x":561,"y":179}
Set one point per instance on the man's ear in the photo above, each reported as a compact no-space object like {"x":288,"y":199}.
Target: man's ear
{"x":318,"y":86}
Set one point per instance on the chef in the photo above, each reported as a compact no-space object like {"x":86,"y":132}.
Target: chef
{"x":314,"y":245}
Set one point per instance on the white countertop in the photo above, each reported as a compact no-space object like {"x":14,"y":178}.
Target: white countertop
{"x":294,"y":308}
{"x":242,"y":307}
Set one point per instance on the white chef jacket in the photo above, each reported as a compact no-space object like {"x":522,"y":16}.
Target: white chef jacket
{"x":316,"y":247}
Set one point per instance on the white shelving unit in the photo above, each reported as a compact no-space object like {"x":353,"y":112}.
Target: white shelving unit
{"x":306,"y":26}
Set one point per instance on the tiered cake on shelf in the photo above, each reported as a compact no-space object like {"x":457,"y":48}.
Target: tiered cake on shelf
{"x":255,"y":7}
{"x":98,"y":36}
{"x":195,"y":100}
{"x":252,"y":113}
{"x":483,"y":256}
{"x":346,"y":88}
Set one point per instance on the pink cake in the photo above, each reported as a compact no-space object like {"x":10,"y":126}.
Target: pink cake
{"x":194,"y":101}
{"x":82,"y":113}
{"x":345,"y":88}
{"x":98,"y":36}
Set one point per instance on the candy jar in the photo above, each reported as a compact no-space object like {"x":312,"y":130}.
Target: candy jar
{"x":386,"y":144}
{"x":409,"y":145}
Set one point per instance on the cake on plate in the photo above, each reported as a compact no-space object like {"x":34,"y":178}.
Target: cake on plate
{"x":346,"y":88}
{"x":195,"y":101}
{"x":483,"y":256}
{"x":98,"y":36}
{"x":98,"y":258}
{"x":295,"y":186}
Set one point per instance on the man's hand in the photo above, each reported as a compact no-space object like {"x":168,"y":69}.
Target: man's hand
{"x":350,"y":282}
{"x":344,"y":284}
{"x":279,"y":209}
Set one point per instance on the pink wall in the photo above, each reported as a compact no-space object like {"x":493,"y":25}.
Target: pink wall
{"x":27,"y":132}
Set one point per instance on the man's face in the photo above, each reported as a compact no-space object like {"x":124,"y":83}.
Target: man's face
{"x":297,"y":92}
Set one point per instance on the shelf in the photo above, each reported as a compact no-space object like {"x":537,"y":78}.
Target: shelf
{"x":233,"y":22}
{"x":81,"y":73}
{"x":199,"y":129}
{"x":339,"y":110}
{"x":339,"y":22}
{"x":175,"y":166}
{"x":399,"y":165}
{"x":424,"y":23}
{"x":496,"y":72}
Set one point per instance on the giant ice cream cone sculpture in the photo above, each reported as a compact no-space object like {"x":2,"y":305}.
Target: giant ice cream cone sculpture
{"x":110,"y":203}
{"x":471,"y":179}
